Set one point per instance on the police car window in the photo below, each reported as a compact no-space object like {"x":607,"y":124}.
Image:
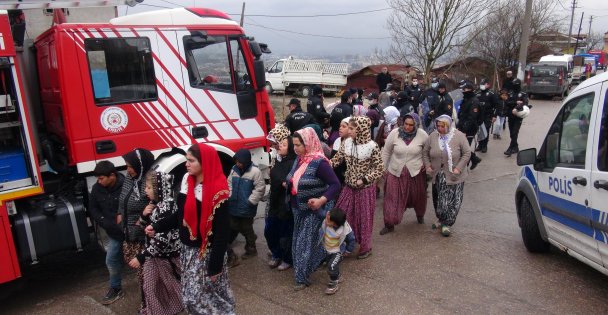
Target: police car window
{"x":208,"y":63}
{"x":574,"y":131}
{"x":121,"y":69}
{"x":602,"y":150}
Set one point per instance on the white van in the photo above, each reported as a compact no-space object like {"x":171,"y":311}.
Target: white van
{"x":560,"y":60}
{"x":562,"y":194}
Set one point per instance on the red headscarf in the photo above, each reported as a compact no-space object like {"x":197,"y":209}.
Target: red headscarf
{"x":215,"y":191}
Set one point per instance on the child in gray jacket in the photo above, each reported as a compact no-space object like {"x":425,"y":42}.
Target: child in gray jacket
{"x":247,"y":188}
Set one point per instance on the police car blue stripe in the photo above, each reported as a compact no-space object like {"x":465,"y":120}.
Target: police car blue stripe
{"x":566,"y":212}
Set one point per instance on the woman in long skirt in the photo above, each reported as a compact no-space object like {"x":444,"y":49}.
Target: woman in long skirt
{"x":446,"y":154}
{"x":363,"y":168}
{"x":405,"y":184}
{"x":311,"y":187}
{"x":204,"y":230}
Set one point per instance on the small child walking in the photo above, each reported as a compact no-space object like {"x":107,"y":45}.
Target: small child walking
{"x":339,"y":241}
{"x":247,"y":187}
{"x":160,"y":257}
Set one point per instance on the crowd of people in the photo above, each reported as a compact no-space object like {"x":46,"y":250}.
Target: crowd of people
{"x":331,"y":163}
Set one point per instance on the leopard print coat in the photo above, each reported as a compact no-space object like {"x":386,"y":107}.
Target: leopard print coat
{"x":362,"y":156}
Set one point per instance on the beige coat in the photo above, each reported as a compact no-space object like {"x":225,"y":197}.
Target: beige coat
{"x":461,"y":153}
{"x":396,"y":154}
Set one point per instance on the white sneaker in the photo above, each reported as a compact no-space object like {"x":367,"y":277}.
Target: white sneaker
{"x":283,"y":266}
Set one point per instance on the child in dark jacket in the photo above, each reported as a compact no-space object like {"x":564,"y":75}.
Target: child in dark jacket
{"x":160,"y":257}
{"x":247,"y":187}
{"x":339,"y":241}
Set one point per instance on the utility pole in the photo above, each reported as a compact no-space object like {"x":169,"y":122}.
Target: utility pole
{"x":243,"y":14}
{"x":525,"y":39}
{"x":571,"y":21}
{"x":589,"y":32}
{"x":580,"y":26}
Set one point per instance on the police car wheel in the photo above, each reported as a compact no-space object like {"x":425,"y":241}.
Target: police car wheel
{"x":530,"y":232}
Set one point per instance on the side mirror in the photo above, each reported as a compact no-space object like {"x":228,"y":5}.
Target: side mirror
{"x":526,"y":157}
{"x":260,"y":74}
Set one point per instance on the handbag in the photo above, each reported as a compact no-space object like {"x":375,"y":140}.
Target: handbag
{"x":482,"y":132}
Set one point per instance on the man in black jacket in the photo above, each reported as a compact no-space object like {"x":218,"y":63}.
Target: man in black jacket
{"x":297,"y":118}
{"x":488,"y":101}
{"x":103,"y":208}
{"x":315,"y":107}
{"x":469,"y":117}
{"x":382,"y":79}
{"x":414,"y":92}
{"x":516,"y":104}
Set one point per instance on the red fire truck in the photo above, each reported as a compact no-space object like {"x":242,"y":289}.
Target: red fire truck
{"x":159,"y":80}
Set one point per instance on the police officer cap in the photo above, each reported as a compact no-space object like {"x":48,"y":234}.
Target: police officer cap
{"x":401,"y":95}
{"x":466,"y":85}
{"x":441,"y":85}
{"x":352,"y":91}
{"x":294,"y":101}
{"x":372,"y":96}
{"x":434,"y":80}
{"x":484,"y":81}
{"x":516,"y":82}
{"x":317,"y":90}
{"x":389,"y":87}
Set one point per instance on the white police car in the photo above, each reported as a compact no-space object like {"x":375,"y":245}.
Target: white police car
{"x":562,"y":194}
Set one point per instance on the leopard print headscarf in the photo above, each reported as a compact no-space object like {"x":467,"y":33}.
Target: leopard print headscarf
{"x":363,"y":126}
{"x":278,"y":133}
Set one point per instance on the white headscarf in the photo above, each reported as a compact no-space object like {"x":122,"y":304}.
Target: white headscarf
{"x":391,"y":114}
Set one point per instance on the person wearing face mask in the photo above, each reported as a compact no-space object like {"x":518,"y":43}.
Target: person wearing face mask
{"x":429,"y":100}
{"x":518,"y":100}
{"x":413,"y":94}
{"x":469,"y":117}
{"x":508,"y":82}
{"x":488,"y":101}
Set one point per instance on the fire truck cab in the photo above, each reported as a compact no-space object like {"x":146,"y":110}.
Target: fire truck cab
{"x":159,"y":80}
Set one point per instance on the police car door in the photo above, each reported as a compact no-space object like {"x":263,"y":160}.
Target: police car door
{"x":599,"y":178}
{"x":565,"y":180}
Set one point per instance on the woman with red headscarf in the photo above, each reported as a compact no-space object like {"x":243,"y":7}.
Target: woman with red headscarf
{"x":204,"y":223}
{"x":312,"y":186}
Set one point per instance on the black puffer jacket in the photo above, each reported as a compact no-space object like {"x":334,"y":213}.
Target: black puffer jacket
{"x":278,"y":206}
{"x":103,"y":207}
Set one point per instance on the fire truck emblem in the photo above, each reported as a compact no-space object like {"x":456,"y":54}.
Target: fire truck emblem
{"x":114,"y":119}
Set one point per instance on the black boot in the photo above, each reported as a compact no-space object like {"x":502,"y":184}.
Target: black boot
{"x":508,"y":152}
{"x":475,"y":160}
{"x":484,"y":150}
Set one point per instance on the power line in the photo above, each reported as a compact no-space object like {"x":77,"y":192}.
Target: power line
{"x":154,"y":6}
{"x":315,"y":35}
{"x":314,"y":15}
{"x":172,"y":3}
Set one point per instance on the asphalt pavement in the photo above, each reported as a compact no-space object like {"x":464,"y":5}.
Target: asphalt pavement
{"x":483,"y":268}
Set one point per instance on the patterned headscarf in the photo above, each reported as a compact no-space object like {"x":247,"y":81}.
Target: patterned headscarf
{"x":362,"y":125}
{"x":359,"y":110}
{"x":407,"y":136}
{"x":162,"y":185}
{"x":314,"y":150}
{"x":278,"y":133}
{"x":141,"y":161}
{"x":215,"y":192}
{"x":444,"y":139}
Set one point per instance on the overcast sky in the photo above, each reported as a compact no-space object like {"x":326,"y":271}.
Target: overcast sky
{"x":356,"y":33}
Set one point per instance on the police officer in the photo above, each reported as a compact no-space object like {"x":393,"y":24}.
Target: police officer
{"x":430,"y":96}
{"x":516,"y":104}
{"x":315,"y":107}
{"x":413,"y":94}
{"x":297,"y":118}
{"x":488,"y":101}
{"x":469,"y":116}
{"x":402,"y":103}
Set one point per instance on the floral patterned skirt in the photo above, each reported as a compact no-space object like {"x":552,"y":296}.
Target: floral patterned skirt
{"x":199,"y":294}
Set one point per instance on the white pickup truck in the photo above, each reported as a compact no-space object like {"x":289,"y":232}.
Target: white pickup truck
{"x":299,"y":76}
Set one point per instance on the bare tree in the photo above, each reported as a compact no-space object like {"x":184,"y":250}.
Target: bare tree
{"x":596,"y":40}
{"x":499,"y":34}
{"x":424,"y":31}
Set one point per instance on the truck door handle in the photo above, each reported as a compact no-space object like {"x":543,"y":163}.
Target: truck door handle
{"x":601,"y":184}
{"x":579,"y":180}
{"x":105,"y":146}
{"x":200,"y":132}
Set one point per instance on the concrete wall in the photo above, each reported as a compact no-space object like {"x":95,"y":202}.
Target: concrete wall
{"x":37,"y":21}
